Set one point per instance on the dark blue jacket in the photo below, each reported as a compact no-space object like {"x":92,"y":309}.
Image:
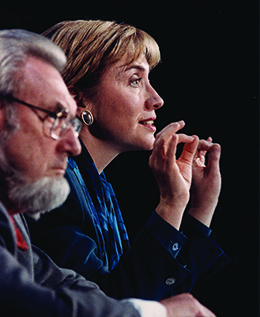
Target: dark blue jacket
{"x":87,"y":234}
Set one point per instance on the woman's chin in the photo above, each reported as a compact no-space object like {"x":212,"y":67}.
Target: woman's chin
{"x":147,"y":145}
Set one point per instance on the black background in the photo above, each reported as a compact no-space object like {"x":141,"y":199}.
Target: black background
{"x":209,"y":78}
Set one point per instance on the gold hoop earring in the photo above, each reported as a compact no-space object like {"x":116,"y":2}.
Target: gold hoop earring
{"x":87,"y":117}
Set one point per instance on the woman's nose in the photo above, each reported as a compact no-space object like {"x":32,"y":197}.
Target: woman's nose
{"x":153,"y":101}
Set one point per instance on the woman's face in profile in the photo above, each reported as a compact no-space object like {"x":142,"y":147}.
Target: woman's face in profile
{"x":125,"y":106}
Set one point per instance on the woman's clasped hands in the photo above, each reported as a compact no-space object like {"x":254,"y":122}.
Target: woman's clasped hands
{"x":187,"y":178}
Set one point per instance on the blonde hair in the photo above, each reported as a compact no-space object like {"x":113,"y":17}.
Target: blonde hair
{"x":91,"y":46}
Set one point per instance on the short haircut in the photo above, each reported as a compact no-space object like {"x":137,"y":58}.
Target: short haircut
{"x":92,"y":45}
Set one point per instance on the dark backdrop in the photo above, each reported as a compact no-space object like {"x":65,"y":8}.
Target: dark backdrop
{"x":209,"y":78}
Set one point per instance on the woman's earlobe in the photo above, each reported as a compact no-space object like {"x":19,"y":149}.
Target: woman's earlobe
{"x":87,"y":117}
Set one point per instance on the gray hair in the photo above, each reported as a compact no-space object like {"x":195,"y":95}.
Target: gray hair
{"x":16,"y":46}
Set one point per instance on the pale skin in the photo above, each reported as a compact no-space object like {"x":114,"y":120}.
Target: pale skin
{"x":124,"y":111}
{"x":174,"y":176}
{"x":125,"y":101}
{"x":185,"y":305}
{"x":206,"y":181}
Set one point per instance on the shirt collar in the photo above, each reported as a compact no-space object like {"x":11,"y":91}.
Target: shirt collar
{"x":20,"y":242}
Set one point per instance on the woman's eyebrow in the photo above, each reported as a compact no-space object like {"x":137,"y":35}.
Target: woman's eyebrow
{"x":138,"y":67}
{"x":126,"y":68}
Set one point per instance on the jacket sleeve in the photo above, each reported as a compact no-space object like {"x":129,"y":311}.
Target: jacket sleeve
{"x":163,"y":261}
{"x":72,"y":296}
{"x":49,"y":291}
{"x":194,"y":247}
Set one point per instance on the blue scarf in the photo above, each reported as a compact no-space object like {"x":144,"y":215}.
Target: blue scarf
{"x":104,"y":207}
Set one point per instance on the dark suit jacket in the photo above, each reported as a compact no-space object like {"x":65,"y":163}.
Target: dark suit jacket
{"x":161,"y":260}
{"x":32,"y":285}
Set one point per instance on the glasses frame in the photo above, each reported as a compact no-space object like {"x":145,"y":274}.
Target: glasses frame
{"x":63,"y":113}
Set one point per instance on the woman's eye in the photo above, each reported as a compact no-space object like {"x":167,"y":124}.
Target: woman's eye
{"x":135,"y":82}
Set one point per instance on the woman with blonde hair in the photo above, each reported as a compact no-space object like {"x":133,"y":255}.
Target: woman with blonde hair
{"x":108,"y":75}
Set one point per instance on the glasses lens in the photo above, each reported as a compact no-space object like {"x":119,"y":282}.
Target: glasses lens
{"x":50,"y":125}
{"x":64,"y":124}
{"x":76,"y":125}
{"x":57,"y":127}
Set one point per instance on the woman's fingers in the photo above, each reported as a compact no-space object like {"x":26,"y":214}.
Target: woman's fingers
{"x":189,"y":150}
{"x":164,"y":137}
{"x":214,"y":158}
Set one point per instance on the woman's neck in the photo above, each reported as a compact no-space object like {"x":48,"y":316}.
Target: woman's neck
{"x":101,"y":151}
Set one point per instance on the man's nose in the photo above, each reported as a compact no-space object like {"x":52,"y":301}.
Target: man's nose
{"x":70,"y":143}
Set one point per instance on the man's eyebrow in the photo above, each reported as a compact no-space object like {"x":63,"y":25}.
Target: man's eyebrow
{"x":58,"y":107}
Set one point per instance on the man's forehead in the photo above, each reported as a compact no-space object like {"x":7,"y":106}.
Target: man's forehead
{"x":37,"y":69}
{"x":43,"y":84}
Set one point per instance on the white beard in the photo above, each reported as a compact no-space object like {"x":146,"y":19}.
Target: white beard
{"x":35,"y":198}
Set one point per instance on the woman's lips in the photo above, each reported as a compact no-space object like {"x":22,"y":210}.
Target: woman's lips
{"x":149,"y":124}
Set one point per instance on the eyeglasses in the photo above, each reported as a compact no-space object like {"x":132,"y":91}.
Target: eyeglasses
{"x":55,"y":124}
